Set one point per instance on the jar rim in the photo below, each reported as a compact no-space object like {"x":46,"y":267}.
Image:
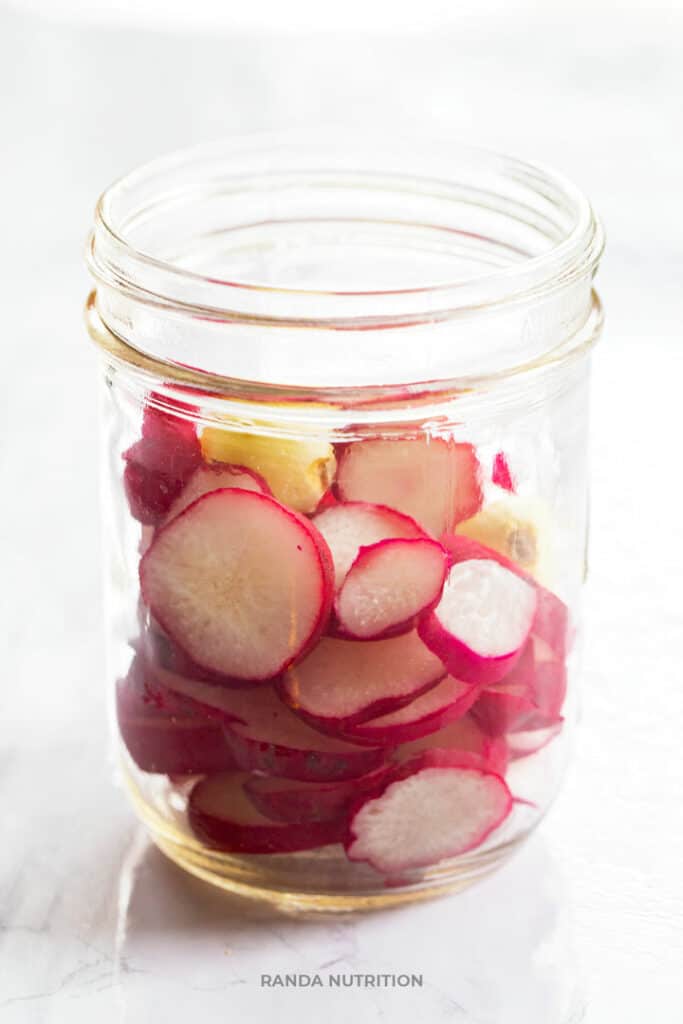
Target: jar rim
{"x":115,"y":259}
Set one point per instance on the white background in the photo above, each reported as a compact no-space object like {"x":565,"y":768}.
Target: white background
{"x":586,"y":923}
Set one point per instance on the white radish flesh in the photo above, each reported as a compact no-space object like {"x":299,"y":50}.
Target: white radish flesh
{"x":482,"y":621}
{"x":436,"y":807}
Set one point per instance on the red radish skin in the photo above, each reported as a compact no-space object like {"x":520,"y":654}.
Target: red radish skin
{"x":223,"y":817}
{"x":215,"y":477}
{"x":164,"y":734}
{"x":328,"y":500}
{"x":389,"y":586}
{"x":433,"y":480}
{"x":264,"y":735}
{"x":159,"y":465}
{"x":436,"y":806}
{"x":294,"y":802}
{"x":447,"y":701}
{"x":466,"y":738}
{"x":551,"y":622}
{"x":501,"y":475}
{"x":240,"y":583}
{"x":347,"y":527}
{"x":482,"y":621}
{"x":343,"y":682}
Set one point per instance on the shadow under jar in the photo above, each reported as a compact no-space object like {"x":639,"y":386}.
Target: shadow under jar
{"x":345,"y":426}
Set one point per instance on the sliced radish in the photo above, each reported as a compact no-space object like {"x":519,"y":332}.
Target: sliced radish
{"x":466,"y":738}
{"x":221,"y":815}
{"x":448,"y":700}
{"x":163,"y":652}
{"x":348,"y":526}
{"x":389,"y":586}
{"x":214,"y":478}
{"x":500,"y":709}
{"x":343,"y":682}
{"x":436,"y":806}
{"x":165,"y":734}
{"x":434,"y":480}
{"x":264,"y":735}
{"x":530,"y":741}
{"x":290,"y":801}
{"x":242,"y":584}
{"x":551,"y":622}
{"x":482,"y":621}
{"x":529,"y":697}
{"x":159,"y":465}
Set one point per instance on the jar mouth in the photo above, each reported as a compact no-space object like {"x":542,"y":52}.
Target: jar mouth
{"x":248,"y":229}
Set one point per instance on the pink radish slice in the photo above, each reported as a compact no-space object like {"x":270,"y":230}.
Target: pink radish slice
{"x":389,"y":586}
{"x":500,"y":709}
{"x":221,"y":815}
{"x":160,"y":463}
{"x":482,"y":621}
{"x":289,"y":801}
{"x":165,"y":734}
{"x":240,"y":583}
{"x":530,"y":741}
{"x":529,"y":697}
{"x":433,"y":480}
{"x":215,"y":477}
{"x":543,"y":676}
{"x":551,"y":622}
{"x":448,"y":700}
{"x":343,"y":682}
{"x":435,"y":806}
{"x":464,"y":737}
{"x":264,"y":735}
{"x":348,"y":526}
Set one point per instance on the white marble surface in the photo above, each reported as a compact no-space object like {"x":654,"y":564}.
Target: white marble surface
{"x":586,"y":923}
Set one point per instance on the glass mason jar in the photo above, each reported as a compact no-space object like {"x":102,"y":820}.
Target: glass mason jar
{"x":345,"y":426}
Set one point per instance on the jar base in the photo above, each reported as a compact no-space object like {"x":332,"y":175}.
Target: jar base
{"x":261,"y":878}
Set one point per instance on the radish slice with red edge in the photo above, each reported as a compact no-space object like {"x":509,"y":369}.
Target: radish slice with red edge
{"x":264,"y":735}
{"x":215,"y":477}
{"x":389,"y":586}
{"x":447,"y":701}
{"x":159,"y":465}
{"x":433,"y":480}
{"x":347,"y":527}
{"x":290,"y":801}
{"x":223,"y":817}
{"x":435,"y":806}
{"x":242,"y":584}
{"x":342,"y":682}
{"x":164,"y":733}
{"x":529,"y":697}
{"x":465,"y":737}
{"x":482,"y":621}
